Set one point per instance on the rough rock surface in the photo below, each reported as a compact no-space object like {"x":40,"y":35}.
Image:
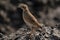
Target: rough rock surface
{"x":13,"y":27}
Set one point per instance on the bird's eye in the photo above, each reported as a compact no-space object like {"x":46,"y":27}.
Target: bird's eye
{"x":23,"y":7}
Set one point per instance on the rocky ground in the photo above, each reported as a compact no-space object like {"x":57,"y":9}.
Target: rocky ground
{"x":13,"y":27}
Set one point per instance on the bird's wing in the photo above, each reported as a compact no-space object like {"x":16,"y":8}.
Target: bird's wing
{"x":28,"y":20}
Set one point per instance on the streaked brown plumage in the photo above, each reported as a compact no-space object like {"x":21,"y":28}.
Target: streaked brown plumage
{"x":28,"y":18}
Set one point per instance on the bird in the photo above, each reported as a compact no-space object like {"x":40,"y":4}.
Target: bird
{"x":30,"y":20}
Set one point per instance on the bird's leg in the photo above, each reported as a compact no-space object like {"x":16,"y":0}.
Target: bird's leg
{"x":32,"y":32}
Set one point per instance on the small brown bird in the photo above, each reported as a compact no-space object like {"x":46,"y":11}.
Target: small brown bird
{"x":29,"y":19}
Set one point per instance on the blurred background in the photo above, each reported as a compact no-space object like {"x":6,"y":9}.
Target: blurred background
{"x":46,"y":11}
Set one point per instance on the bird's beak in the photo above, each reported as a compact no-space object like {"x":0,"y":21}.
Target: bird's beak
{"x":19,"y":6}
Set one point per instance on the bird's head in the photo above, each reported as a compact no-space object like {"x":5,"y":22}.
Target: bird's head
{"x":24,"y":7}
